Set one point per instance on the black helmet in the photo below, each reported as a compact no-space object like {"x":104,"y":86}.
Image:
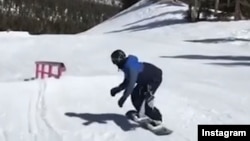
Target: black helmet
{"x":118,"y":57}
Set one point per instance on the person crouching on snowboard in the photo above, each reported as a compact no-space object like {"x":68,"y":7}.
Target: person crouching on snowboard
{"x":141,"y":80}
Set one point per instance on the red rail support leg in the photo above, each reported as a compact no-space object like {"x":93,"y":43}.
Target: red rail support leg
{"x":43,"y":71}
{"x":50,"y":71}
{"x":37,"y":70}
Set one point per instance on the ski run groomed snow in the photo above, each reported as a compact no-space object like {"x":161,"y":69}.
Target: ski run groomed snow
{"x":206,"y":77}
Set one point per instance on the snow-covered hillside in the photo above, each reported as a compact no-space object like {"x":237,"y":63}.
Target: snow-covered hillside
{"x":206,"y":77}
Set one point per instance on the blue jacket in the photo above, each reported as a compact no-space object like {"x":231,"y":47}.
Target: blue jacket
{"x":138,"y":72}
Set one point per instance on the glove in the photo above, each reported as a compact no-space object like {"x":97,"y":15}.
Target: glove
{"x":121,"y":101}
{"x":114,"y":91}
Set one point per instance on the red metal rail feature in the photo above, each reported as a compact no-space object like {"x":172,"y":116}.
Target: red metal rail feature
{"x":51,"y":69}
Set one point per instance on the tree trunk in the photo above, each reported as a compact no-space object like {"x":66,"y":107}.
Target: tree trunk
{"x":228,"y":3}
{"x":237,"y":10}
{"x":217,"y":3}
{"x":194,"y":10}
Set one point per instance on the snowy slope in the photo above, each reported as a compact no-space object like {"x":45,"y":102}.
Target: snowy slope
{"x":205,"y":66}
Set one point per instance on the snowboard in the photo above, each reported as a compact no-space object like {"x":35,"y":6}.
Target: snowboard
{"x":146,"y":123}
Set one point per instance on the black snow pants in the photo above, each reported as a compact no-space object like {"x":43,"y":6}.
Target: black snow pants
{"x":145,"y":92}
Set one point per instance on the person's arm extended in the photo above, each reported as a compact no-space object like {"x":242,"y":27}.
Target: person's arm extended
{"x":131,"y":80}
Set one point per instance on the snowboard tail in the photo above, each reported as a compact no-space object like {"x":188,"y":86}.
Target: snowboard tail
{"x":147,"y":123}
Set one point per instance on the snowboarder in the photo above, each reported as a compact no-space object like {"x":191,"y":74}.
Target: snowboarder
{"x":141,"y":81}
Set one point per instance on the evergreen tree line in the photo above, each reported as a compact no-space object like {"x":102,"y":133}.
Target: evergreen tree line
{"x":53,"y":16}
{"x":74,"y":16}
{"x":127,"y":3}
{"x":218,"y":9}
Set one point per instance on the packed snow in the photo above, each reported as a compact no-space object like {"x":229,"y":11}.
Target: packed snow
{"x":206,"y":78}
